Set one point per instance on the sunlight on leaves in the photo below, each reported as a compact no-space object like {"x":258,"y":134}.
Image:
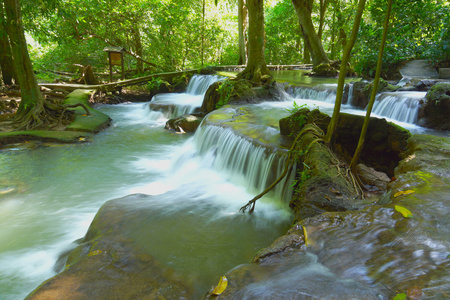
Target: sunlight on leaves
{"x":404,"y":211}
{"x":223,"y":282}
{"x":403,"y":193}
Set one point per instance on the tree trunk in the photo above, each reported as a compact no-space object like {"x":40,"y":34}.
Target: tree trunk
{"x":374,"y":92}
{"x":323,"y":9}
{"x":6,"y":61}
{"x":32,"y":100}
{"x":242,"y":17}
{"x":256,"y":65}
{"x":304,"y":10}
{"x":342,"y":72}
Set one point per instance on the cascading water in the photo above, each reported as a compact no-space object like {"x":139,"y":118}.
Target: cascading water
{"x":166,"y":106}
{"x":243,"y":162}
{"x":325,"y":93}
{"x":50,"y":194}
{"x":399,"y":106}
{"x":350,"y":94}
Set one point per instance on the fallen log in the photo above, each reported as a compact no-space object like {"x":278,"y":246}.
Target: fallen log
{"x":114,"y":86}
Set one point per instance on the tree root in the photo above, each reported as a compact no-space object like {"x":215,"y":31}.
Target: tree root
{"x":47,"y":116}
{"x":291,"y":157}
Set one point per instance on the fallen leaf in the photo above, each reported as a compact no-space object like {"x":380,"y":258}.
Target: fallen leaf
{"x":223,"y":282}
{"x":305,"y":234}
{"x":96,"y":252}
{"x":403,"y":193}
{"x":404,"y":211}
{"x":85,"y":115}
{"x":401,"y":296}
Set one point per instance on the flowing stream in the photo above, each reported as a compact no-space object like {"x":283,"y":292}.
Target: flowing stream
{"x":50,"y":194}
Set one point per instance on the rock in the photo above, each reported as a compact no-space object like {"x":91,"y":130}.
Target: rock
{"x":444,"y":73}
{"x":435,"y":113}
{"x":108,"y":265}
{"x":184,"y":123}
{"x":372,"y":178}
{"x":362,"y":91}
{"x":238,"y":92}
{"x":384,"y":142}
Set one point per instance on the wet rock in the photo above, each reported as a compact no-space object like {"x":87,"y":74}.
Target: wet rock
{"x":435,"y":112}
{"x":238,"y":92}
{"x":108,"y":265}
{"x":384,"y":141}
{"x":184,"y":123}
{"x":362,"y":91}
{"x":373,"y":179}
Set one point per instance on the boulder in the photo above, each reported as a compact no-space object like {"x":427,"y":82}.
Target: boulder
{"x":435,"y":112}
{"x":362,"y":91}
{"x":238,"y":92}
{"x":184,"y":123}
{"x":384,"y":142}
{"x":108,"y":265}
{"x":372,"y":179}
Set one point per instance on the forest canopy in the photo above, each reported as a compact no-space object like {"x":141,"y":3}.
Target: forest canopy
{"x":172,"y":35}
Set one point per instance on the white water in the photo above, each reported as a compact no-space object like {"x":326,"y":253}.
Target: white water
{"x":325,"y":93}
{"x":167,"y":106}
{"x":400,"y":106}
{"x":60,"y":189}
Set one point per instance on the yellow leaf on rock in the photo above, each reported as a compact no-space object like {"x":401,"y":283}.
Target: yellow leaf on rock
{"x":96,"y":252}
{"x":223,"y":282}
{"x":404,"y":211}
{"x":403,"y":193}
{"x":305,"y":234}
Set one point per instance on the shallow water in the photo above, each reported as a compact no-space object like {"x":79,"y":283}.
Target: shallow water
{"x":49,"y":195}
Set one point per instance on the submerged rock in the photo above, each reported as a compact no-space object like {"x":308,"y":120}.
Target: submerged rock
{"x":108,"y":265}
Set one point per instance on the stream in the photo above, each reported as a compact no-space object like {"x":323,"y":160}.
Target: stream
{"x":50,"y":193}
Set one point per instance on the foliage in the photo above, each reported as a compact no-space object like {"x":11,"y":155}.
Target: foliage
{"x":283,"y":39}
{"x":419,"y":31}
{"x":225,"y":90}
{"x":169,"y":33}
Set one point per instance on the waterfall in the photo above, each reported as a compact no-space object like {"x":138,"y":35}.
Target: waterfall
{"x":199,"y":84}
{"x":166,"y":106}
{"x":242,"y":161}
{"x":350,"y":94}
{"x":400,"y":106}
{"x":321,"y":94}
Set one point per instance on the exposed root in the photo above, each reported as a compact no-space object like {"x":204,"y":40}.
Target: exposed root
{"x":48,"y":116}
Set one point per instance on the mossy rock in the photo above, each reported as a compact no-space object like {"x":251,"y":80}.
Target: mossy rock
{"x":435,"y":112}
{"x":237,"y":92}
{"x":384,"y":143}
{"x":108,"y":265}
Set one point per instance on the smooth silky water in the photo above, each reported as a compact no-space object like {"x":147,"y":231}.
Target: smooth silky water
{"x":50,"y":194}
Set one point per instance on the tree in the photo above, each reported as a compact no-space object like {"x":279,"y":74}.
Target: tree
{"x":342,"y":73}
{"x":242,"y":20}
{"x":360,"y":146}
{"x":6,"y":62}
{"x":256,"y":66}
{"x":303,"y":9}
{"x":32,"y":103}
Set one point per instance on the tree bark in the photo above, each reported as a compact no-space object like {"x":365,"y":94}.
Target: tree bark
{"x":6,"y":61}
{"x":242,"y":17}
{"x":256,"y":65}
{"x":32,"y":100}
{"x":304,"y":10}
